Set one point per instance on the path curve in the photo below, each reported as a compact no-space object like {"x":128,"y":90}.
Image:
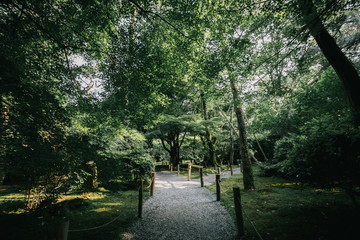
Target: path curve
{"x":182,"y":210}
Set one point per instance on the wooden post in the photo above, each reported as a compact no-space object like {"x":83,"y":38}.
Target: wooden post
{"x":62,"y":229}
{"x":202,"y":177}
{"x":171,"y":168}
{"x":217,"y":187}
{"x":238,"y":211}
{"x":140,"y":199}
{"x":178,"y":169}
{"x":189,"y":172}
{"x":231,"y":170}
{"x":219,"y":172}
{"x":153,"y":184}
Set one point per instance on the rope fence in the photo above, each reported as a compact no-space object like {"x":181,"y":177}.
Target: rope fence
{"x":62,"y":228}
{"x":252,"y":223}
{"x":238,"y":199}
{"x":94,"y":228}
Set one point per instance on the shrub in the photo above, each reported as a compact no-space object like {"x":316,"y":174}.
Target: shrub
{"x":139,"y":163}
{"x":326,"y":160}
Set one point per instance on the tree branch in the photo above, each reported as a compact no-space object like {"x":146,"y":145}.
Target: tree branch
{"x":38,"y":25}
{"x":53,"y":37}
{"x":162,"y":142}
{"x":164,"y":20}
{"x":182,"y":140}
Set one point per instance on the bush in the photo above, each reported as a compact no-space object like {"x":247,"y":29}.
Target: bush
{"x":293,"y":152}
{"x":282,"y":146}
{"x":326,"y":160}
{"x":139,"y":163}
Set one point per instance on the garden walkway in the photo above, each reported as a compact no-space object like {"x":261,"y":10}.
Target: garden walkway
{"x":182,"y":210}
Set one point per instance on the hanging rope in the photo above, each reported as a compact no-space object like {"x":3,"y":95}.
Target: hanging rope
{"x":94,"y":228}
{"x":252,"y":223}
{"x":247,"y":217}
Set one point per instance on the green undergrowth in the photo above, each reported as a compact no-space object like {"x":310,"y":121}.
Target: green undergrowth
{"x":84,"y":210}
{"x":282,"y":209}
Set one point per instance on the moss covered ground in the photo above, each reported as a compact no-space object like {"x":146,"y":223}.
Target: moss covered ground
{"x":282,"y":209}
{"x":279,"y":209}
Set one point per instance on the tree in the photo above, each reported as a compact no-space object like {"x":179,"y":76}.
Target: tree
{"x":244,"y":148}
{"x":315,"y":18}
{"x":172,"y":132}
{"x":41,"y":148}
{"x":209,"y":141}
{"x":338,"y":60}
{"x":231,"y":157}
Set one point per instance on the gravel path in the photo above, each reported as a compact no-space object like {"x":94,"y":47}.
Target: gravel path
{"x":182,"y":210}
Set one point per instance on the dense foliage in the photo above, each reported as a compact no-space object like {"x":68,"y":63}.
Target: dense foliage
{"x":96,"y":92}
{"x":321,"y":147}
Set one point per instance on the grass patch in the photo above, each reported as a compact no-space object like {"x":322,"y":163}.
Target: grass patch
{"x":84,"y":210}
{"x":282,"y":209}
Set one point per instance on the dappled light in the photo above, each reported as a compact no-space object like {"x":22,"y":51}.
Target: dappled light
{"x":113,"y":204}
{"x":295,"y":184}
{"x":176,"y":182}
{"x":100,"y":210}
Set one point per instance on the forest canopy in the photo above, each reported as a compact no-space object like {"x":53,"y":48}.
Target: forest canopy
{"x":120,"y":85}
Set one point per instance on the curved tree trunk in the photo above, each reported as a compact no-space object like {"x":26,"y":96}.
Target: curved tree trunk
{"x":244,"y":148}
{"x":337,"y":59}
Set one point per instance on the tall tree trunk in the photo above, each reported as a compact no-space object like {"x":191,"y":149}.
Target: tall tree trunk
{"x":231,"y":160}
{"x":175,"y":150}
{"x":341,"y":64}
{"x":177,"y":145}
{"x":4,"y":121}
{"x":244,"y":148}
{"x":172,"y":150}
{"x":209,"y":141}
{"x":174,"y":156}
